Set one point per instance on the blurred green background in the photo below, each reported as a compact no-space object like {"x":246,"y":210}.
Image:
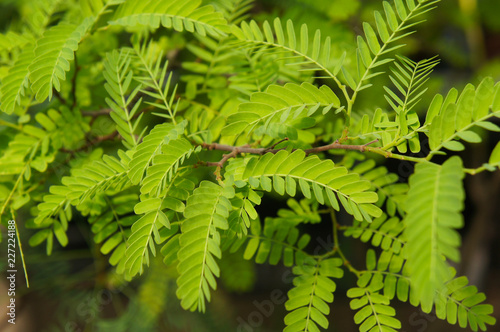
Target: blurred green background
{"x":75,"y":290}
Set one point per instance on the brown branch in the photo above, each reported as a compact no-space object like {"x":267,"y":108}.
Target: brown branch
{"x":235,"y":150}
{"x":60,"y":97}
{"x":93,"y":142}
{"x":339,"y":146}
{"x":73,"y":82}
{"x":274,"y":145}
{"x":95,"y":114}
{"x":261,"y":151}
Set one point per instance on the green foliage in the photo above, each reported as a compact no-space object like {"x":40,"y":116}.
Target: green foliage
{"x":52,"y":55}
{"x":277,"y":241}
{"x":219,"y":111}
{"x":118,"y":79}
{"x":432,"y":217}
{"x":451,"y":120}
{"x":179,"y":15}
{"x":383,"y":232}
{"x":282,"y":171}
{"x":388,"y":278}
{"x":206,"y":211}
{"x":313,"y":290}
{"x":314,"y":58}
{"x":15,"y":83}
{"x":281,"y":111}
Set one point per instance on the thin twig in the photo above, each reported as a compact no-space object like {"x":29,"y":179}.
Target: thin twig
{"x":260,"y":151}
{"x":60,"y":97}
{"x":93,"y":142}
{"x":274,"y":145}
{"x":333,"y":146}
{"x":73,"y":82}
{"x":95,"y":114}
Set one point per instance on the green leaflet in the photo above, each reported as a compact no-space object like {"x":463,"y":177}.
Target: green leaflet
{"x":206,"y":212}
{"x":433,"y":207}
{"x":389,"y":191}
{"x":374,"y":313}
{"x":143,"y":232}
{"x":53,"y":53}
{"x":84,"y":184}
{"x":322,"y":179}
{"x":388,"y":277}
{"x":370,"y":50}
{"x":409,"y":78}
{"x":112,"y":227}
{"x":153,"y":82}
{"x":374,"y":310}
{"x":15,"y":85}
{"x":382,"y":232}
{"x":165,"y":165}
{"x":36,"y":148}
{"x":459,"y":302}
{"x":313,"y":290}
{"x":316,"y":58}
{"x":456,"y":118}
{"x":151,"y":146}
{"x":179,"y":15}
{"x":157,"y":213}
{"x":281,"y":105}
{"x":279,"y":240}
{"x":79,"y":190}
{"x":118,"y":79}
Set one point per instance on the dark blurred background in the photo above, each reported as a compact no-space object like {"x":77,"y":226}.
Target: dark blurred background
{"x":74,"y":289}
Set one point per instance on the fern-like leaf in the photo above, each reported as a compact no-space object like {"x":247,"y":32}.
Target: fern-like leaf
{"x":179,"y":15}
{"x":145,"y":232}
{"x":12,"y":40}
{"x":370,"y":50}
{"x":112,"y":227}
{"x":242,"y":217}
{"x":316,"y":178}
{"x":451,"y":120}
{"x":383,"y":232}
{"x":455,"y":301}
{"x":374,"y":310}
{"x":84,"y":184}
{"x":318,"y":57}
{"x":157,"y":215}
{"x":166,"y":164}
{"x":433,"y":207}
{"x":153,"y":81}
{"x":150,"y":147}
{"x":409,"y":79}
{"x":305,"y":211}
{"x":280,"y":109}
{"x":53,"y":53}
{"x":458,"y":301}
{"x":235,"y":11}
{"x":206,"y":212}
{"x":313,"y":290}
{"x":278,"y":240}
{"x":389,"y":191}
{"x":15,"y":84}
{"x":59,"y":129}
{"x":118,"y":78}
